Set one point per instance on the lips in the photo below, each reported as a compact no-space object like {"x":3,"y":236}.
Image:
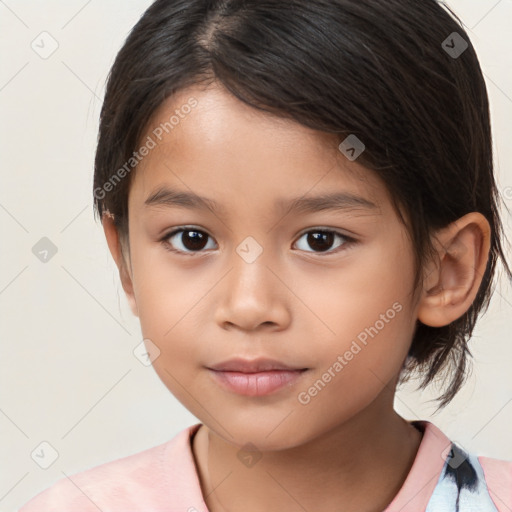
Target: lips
{"x":253,"y":365}
{"x":256,"y":377}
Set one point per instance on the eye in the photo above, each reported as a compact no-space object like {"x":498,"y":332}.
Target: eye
{"x":187,"y":240}
{"x":321,"y":240}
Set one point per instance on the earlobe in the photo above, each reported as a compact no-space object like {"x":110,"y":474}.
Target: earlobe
{"x":115,"y":247}
{"x":451,"y":283}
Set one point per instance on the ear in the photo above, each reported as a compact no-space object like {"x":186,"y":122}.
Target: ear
{"x":115,"y":247}
{"x":451,"y":283}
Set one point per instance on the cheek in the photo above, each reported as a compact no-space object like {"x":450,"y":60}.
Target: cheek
{"x":357,"y":367}
{"x":368,"y":310}
{"x":167,"y":304}
{"x":163,"y":288}
{"x":372,"y":282}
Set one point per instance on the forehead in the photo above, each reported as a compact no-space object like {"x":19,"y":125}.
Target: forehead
{"x":208,"y":142}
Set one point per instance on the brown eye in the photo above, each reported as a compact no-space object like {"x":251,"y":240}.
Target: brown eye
{"x":187,"y":240}
{"x":190,"y":241}
{"x":322,"y":240}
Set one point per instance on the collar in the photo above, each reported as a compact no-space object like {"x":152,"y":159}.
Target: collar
{"x":412,"y":496}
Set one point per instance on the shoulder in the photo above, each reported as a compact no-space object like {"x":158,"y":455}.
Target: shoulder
{"x":465,"y":481}
{"x":498,"y":477}
{"x":142,"y":478}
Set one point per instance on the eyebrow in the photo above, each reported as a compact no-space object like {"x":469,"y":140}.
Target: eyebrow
{"x":339,"y":201}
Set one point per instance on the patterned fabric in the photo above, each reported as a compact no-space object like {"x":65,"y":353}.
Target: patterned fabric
{"x":461,"y":486}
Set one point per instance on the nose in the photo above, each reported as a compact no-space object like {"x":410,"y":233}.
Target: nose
{"x":253,"y":295}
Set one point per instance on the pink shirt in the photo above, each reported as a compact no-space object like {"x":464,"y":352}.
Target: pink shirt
{"x":165,"y":478}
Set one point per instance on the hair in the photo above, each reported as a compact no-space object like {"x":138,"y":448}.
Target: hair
{"x":377,"y":70}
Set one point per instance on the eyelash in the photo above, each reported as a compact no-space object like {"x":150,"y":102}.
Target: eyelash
{"x":349,"y":241}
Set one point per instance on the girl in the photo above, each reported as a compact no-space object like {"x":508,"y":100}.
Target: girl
{"x":300,"y":199}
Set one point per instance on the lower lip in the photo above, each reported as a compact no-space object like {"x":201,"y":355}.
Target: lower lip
{"x":257,"y":384}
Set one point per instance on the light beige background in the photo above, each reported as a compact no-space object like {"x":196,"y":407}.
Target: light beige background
{"x":68,"y":373}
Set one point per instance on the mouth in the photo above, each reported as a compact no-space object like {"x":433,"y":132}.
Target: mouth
{"x":253,"y":366}
{"x":256,"y":377}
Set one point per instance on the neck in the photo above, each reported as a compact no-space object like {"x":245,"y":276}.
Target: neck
{"x":374,"y":450}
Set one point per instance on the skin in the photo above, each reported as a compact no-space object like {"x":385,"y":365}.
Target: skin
{"x":294,"y":303}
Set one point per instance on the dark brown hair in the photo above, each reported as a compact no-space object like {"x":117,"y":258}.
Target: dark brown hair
{"x":387,"y":72}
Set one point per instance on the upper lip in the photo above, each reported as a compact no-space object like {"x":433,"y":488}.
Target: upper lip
{"x":252,"y":365}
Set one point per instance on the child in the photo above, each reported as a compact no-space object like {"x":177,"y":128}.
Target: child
{"x":263,"y":129}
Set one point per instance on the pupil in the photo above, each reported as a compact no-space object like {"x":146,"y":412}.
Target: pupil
{"x":317,"y":240}
{"x":194,"y":242}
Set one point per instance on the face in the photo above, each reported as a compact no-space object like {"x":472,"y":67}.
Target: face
{"x":324,"y":286}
